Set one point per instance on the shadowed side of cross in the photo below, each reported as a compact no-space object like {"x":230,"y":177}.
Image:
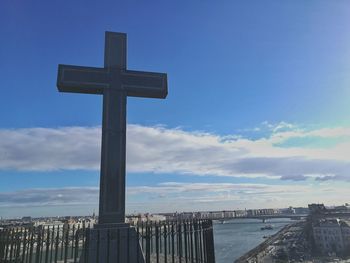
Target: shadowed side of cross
{"x":115,"y":83}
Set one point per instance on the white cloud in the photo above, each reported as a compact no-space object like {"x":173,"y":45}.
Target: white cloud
{"x":171,"y":196}
{"x":43,"y":149}
{"x":50,"y":197}
{"x":162,"y":150}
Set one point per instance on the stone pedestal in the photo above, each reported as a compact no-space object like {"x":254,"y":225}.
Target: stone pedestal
{"x":112,"y":243}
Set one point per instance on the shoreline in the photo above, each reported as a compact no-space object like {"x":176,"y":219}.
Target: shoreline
{"x":257,"y":253}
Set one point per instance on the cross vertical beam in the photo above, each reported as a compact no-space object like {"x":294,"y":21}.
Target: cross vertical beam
{"x":113,"y":150}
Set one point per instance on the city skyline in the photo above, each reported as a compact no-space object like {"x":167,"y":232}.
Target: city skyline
{"x":257,"y":113}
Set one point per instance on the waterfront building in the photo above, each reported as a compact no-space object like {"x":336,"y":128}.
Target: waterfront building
{"x":203,"y":215}
{"x":332,"y":235}
{"x":186,"y":216}
{"x":217,"y":214}
{"x":229,"y":214}
{"x":50,"y":224}
{"x":139,"y":218}
{"x":290,"y":211}
{"x":156,"y":218}
{"x":240,"y":213}
{"x":259,"y":212}
{"x":342,"y":209}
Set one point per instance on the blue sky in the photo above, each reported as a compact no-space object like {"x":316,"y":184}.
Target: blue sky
{"x":256,"y":116}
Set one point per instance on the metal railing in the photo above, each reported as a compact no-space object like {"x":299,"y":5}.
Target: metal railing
{"x":170,"y":241}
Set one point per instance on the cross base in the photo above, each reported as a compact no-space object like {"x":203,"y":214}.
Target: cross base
{"x":112,"y":243}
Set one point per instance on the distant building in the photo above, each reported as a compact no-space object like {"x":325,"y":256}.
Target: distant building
{"x":140,"y":218}
{"x":260,"y":212}
{"x":156,"y":218}
{"x":27,"y":219}
{"x":203,"y":215}
{"x":229,"y":214}
{"x":332,"y":235}
{"x":241,"y":213}
{"x":301,"y":210}
{"x":317,"y":208}
{"x":342,"y":208}
{"x":185,"y":216}
{"x":290,"y":210}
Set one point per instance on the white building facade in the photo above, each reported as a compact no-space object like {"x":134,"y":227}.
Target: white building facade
{"x":332,"y":235}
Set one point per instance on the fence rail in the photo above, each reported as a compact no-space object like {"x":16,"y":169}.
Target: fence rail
{"x":188,"y":241}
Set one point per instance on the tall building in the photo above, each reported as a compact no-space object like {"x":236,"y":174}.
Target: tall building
{"x":332,"y":235}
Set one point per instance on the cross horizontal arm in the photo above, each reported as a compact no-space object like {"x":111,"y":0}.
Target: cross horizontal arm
{"x":82,"y":79}
{"x":145,"y":84}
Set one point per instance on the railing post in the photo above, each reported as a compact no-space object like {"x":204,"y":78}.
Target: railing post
{"x":148,"y":245}
{"x":109,"y":237}
{"x":41,"y":244}
{"x":142,"y":236}
{"x":179,"y":233}
{"x":72,"y":238}
{"x":76,"y":247}
{"x":196,"y":248}
{"x":12,"y":243}
{"x":157,"y":241}
{"x":47,"y":245}
{"x":204,"y":237}
{"x":52,"y":242}
{"x":151,"y":239}
{"x":186,"y":241}
{"x":210,"y":242}
{"x":173,"y":243}
{"x":160,"y":238}
{"x":14,"y":250}
{"x":62,"y":239}
{"x":7,"y":244}
{"x":57,"y":243}
{"x":32,"y":241}
{"x":26,"y":251}
{"x":201,"y":254}
{"x":191,"y":241}
{"x":86,"y":243}
{"x":66,"y":245}
{"x":165,"y":243}
{"x":38,"y":244}
{"x":18,"y":244}
{"x":138,"y":242}
{"x":25,"y":243}
{"x":98,"y":244}
{"x":2,"y":244}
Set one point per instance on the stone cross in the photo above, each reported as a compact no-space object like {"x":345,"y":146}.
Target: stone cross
{"x":115,"y":83}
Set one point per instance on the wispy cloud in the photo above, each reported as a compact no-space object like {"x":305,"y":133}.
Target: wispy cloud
{"x":163,"y":192}
{"x":162,"y":150}
{"x":172,"y":196}
{"x":50,"y":197}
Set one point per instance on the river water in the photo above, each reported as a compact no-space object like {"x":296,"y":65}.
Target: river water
{"x":236,"y":237}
